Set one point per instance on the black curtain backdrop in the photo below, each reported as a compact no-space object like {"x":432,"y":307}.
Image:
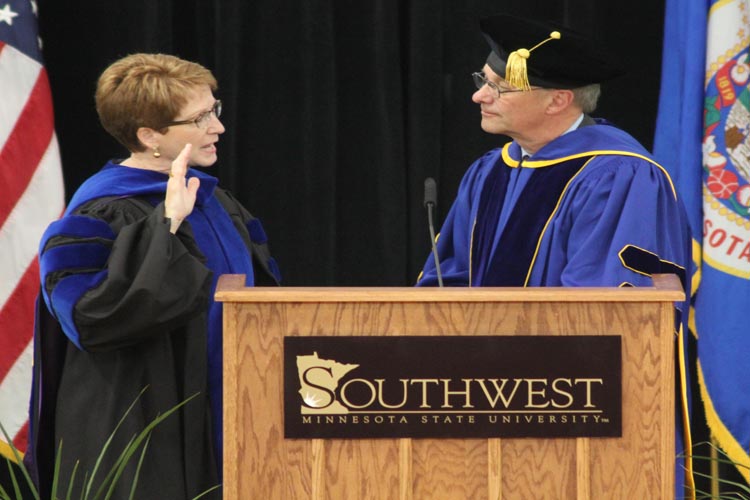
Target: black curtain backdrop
{"x":335,"y":111}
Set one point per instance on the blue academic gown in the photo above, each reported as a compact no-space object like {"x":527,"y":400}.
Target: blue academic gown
{"x":610,"y":219}
{"x":591,"y":208}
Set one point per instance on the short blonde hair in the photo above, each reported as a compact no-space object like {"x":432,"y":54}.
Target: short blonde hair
{"x":146,"y":90}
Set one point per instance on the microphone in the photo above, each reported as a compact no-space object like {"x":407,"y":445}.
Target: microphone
{"x":430,"y":201}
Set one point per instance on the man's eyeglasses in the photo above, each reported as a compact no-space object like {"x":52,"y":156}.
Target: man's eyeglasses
{"x":202,"y":120}
{"x":480,"y":80}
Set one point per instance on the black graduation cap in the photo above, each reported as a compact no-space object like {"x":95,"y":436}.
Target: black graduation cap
{"x":545,"y":54}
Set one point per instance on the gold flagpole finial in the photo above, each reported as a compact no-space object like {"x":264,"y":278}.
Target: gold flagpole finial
{"x":515,"y":69}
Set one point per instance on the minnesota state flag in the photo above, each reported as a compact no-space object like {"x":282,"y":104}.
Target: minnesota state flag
{"x":703,"y":139}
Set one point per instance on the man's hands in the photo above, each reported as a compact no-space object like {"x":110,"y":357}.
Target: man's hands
{"x":180,"y":198}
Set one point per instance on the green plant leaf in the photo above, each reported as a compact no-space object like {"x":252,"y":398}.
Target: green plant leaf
{"x":717,"y":449}
{"x":112,"y":476}
{"x":213,"y":488}
{"x":56,"y":473}
{"x":19,"y":462}
{"x":4,"y":494}
{"x":721,"y":458}
{"x":109,"y":440}
{"x":130,"y":450}
{"x":138,"y":469}
{"x":727,"y":482}
{"x":69,"y":494}
{"x":741,"y":486}
{"x":16,"y":488}
{"x":110,"y":480}
{"x":85,"y":481}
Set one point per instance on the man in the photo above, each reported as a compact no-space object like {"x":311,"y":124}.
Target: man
{"x":571,"y":200}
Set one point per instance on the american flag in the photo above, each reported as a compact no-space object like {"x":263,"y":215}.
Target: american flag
{"x":32,"y":196}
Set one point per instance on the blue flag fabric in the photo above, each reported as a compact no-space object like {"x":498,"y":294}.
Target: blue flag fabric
{"x":18,"y":27}
{"x":703,"y":139}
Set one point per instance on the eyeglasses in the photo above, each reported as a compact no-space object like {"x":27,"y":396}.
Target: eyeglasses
{"x":480,"y":80}
{"x":202,"y":120}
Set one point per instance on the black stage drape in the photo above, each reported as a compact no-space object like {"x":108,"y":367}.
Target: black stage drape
{"x":335,"y":111}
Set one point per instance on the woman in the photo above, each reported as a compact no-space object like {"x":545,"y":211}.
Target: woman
{"x":128,"y":276}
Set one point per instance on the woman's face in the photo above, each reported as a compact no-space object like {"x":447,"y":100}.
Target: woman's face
{"x":203,"y":137}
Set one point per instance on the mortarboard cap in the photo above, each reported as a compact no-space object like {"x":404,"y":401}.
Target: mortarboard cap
{"x":545,"y":55}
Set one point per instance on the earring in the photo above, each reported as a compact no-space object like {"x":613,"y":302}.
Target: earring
{"x":156,"y":153}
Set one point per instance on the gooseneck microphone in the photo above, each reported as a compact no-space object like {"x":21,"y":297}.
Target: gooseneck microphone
{"x":430,"y":201}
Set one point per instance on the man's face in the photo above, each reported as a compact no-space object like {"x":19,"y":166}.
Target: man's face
{"x":515,"y":114}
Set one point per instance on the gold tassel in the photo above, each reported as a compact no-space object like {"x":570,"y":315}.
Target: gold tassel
{"x":515,"y":69}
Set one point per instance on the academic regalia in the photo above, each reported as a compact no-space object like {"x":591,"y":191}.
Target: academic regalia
{"x":588,"y":209}
{"x":126,"y":305}
{"x":591,"y":208}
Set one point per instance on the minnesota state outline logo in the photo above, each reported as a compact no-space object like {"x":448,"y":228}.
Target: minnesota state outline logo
{"x":726,"y":143}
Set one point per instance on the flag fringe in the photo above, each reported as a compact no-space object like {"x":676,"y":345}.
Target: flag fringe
{"x":733,"y":449}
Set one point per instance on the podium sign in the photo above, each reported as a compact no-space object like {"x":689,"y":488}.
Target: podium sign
{"x":452,"y":386}
{"x":305,"y":361}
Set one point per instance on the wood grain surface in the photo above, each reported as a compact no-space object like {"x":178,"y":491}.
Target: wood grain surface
{"x":260,"y":463}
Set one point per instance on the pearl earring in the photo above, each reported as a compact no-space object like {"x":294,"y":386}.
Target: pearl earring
{"x":157,"y":154}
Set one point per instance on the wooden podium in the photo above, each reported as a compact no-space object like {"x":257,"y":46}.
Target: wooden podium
{"x":259,"y":463}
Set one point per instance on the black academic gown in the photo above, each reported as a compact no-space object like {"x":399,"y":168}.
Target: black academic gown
{"x":129,"y":304}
